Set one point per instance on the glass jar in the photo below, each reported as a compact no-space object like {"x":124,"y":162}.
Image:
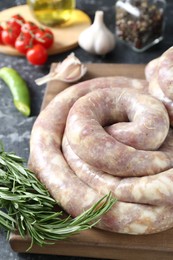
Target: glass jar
{"x":140,"y":23}
{"x":52,"y":12}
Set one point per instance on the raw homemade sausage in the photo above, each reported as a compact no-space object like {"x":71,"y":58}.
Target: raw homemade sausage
{"x":144,"y":203}
{"x":149,"y":128}
{"x":151,"y":68}
{"x":153,"y":190}
{"x":51,"y":168}
{"x":159,"y":74}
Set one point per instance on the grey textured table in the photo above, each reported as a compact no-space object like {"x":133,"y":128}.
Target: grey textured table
{"x":15,"y":129}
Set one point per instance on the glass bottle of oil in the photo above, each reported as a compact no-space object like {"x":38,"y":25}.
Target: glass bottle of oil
{"x":52,"y":12}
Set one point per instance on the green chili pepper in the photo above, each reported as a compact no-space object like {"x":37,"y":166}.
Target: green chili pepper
{"x":18,"y":88}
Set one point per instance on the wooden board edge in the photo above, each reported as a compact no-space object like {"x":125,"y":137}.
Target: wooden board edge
{"x":93,"y":70}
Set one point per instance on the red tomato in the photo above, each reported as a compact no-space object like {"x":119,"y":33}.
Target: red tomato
{"x":17,"y":18}
{"x":15,"y":22}
{"x":23,"y":43}
{"x":44,"y":37}
{"x":37,"y":55}
{"x":29,"y":28}
{"x":1,"y":29}
{"x":9,"y":36}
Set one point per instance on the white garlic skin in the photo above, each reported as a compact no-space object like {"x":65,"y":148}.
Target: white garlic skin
{"x":69,"y":70}
{"x":97,"y":39}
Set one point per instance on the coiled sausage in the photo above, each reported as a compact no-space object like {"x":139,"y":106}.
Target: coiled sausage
{"x":144,"y":203}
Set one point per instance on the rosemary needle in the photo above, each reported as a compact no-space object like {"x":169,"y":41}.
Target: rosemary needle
{"x":26,"y":206}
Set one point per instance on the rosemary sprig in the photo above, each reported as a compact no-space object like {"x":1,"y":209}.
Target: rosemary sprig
{"x":27,"y":206}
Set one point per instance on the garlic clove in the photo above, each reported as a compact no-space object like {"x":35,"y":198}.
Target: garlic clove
{"x":97,"y":39}
{"x":70,"y":70}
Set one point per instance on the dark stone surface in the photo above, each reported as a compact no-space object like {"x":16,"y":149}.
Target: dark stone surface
{"x":15,"y":129}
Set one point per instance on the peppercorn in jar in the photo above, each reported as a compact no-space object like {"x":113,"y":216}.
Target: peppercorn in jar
{"x":140,"y":23}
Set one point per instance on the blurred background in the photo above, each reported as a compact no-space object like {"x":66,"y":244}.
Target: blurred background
{"x":15,"y":129}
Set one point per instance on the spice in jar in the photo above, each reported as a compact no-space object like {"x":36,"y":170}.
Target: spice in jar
{"x":140,"y":22}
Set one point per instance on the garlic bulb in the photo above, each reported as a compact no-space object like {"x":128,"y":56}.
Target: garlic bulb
{"x":70,"y":70}
{"x":97,"y":39}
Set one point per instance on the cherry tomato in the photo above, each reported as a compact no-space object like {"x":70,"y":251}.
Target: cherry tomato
{"x":1,"y":29}
{"x":44,"y":37}
{"x":29,"y":28}
{"x":9,"y":36}
{"x":17,"y":18}
{"x":37,"y":55}
{"x":24,"y":42}
{"x":16,"y":22}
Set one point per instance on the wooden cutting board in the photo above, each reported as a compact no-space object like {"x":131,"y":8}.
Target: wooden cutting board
{"x":66,"y":36}
{"x":96,"y":243}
